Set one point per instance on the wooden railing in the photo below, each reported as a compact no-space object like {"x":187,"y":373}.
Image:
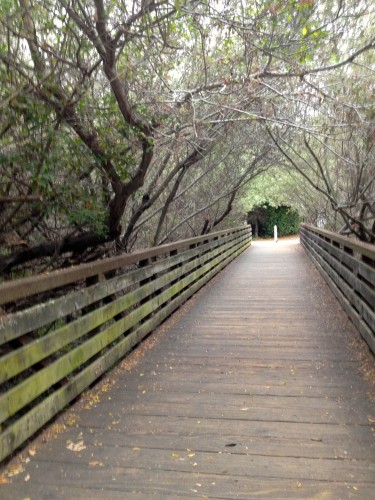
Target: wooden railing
{"x":59,"y":332}
{"x":349,"y":269}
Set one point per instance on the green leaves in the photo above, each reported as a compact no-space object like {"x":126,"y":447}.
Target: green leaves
{"x":178,"y":4}
{"x":267,"y":216}
{"x":6,"y":7}
{"x":88,"y":217}
{"x":188,"y":71}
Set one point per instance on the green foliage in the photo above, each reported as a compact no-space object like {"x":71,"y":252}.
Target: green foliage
{"x":186,"y":77}
{"x":285,"y":218}
{"x":276,"y":187}
{"x":89,"y":217}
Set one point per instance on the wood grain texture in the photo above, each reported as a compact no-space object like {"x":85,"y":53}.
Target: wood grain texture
{"x":18,"y":289}
{"x":349,"y":269}
{"x":45,"y":372}
{"x":252,"y":390}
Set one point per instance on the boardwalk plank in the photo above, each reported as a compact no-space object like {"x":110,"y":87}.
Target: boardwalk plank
{"x":251,"y":391}
{"x":222,"y":463}
{"x":116,"y":483}
{"x":256,"y":438}
{"x":240,"y":408}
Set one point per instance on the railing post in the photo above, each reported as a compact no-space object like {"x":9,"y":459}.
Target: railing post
{"x":348,"y":267}
{"x":89,"y":317}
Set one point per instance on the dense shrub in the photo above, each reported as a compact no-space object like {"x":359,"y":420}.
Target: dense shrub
{"x":265,"y":217}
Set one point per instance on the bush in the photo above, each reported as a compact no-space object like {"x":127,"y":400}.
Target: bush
{"x":266,"y":217}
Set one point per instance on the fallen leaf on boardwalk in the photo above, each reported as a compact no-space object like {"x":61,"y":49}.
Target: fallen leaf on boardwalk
{"x":298,"y":484}
{"x":92,"y":400}
{"x":355,"y":488}
{"x":96,"y":464}
{"x":14,"y":470}
{"x":136,"y":449}
{"x":245,"y":409}
{"x":71,"y":420}
{"x":175,"y":455}
{"x":4,"y":480}
{"x":371,"y":420}
{"x":191,"y":455}
{"x":79,"y":446}
{"x":52,"y":432}
{"x":27,"y":478}
{"x":32,"y":452}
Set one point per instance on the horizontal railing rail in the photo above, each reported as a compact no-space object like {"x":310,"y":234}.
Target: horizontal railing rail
{"x":349,"y":269}
{"x":61,"y":331}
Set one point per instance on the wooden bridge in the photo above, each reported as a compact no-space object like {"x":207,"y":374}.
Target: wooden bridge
{"x":259,"y":386}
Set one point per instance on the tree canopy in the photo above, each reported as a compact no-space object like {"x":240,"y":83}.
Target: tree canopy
{"x":130,"y":123}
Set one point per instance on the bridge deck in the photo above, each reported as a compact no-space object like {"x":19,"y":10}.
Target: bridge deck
{"x":254,"y":389}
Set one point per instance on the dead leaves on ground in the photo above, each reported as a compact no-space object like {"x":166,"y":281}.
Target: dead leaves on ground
{"x":96,"y":463}
{"x":189,"y":457}
{"x":76,"y":447}
{"x":12,"y":471}
{"x":52,"y":432}
{"x":15,"y":469}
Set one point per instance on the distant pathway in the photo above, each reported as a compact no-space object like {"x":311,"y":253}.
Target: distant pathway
{"x":252,"y":390}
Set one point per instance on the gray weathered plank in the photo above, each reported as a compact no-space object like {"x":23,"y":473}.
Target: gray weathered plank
{"x":250,"y":391}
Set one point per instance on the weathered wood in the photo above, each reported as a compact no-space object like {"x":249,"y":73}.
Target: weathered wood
{"x":167,"y":284}
{"x":28,"y":424}
{"x":26,"y":287}
{"x":348,"y":268}
{"x":347,"y":272}
{"x":118,"y":483}
{"x":357,"y":292}
{"x":35,"y":317}
{"x":359,"y":247}
{"x":333,"y":281}
{"x":18,"y":397}
{"x":249,"y":392}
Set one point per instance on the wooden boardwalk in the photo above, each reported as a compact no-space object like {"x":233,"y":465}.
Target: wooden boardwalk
{"x":254,"y":389}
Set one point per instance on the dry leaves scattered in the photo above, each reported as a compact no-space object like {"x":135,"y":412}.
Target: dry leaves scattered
{"x":15,"y":469}
{"x":79,"y":446}
{"x":95,"y":463}
{"x":32,"y":451}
